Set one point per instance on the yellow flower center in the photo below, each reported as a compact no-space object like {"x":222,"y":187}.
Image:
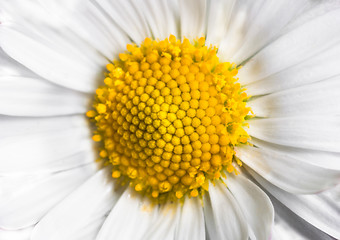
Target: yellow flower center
{"x":169,"y":116}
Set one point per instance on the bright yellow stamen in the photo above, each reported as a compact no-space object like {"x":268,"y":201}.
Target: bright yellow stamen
{"x":169,"y":116}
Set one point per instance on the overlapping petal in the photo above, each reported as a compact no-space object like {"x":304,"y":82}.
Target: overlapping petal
{"x":318,"y":133}
{"x":65,"y":65}
{"x":224,"y":218}
{"x":320,"y":98}
{"x":91,"y":201}
{"x":24,"y":204}
{"x":292,"y":48}
{"x":135,"y":215}
{"x":318,"y":210}
{"x":191,"y":224}
{"x":41,"y":145}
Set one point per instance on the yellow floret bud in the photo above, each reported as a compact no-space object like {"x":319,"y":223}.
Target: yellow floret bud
{"x":97,"y":138}
{"x":155,"y":194}
{"x":151,"y":58}
{"x":179,"y":194}
{"x":116,"y":174}
{"x":139,"y":187}
{"x":164,"y":186}
{"x":194,"y":193}
{"x":101,"y":108}
{"x":91,"y":114}
{"x":186,"y":180}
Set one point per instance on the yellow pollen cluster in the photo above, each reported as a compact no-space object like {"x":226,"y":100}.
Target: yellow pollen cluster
{"x":169,"y":116}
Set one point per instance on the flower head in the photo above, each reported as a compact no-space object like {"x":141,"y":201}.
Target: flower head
{"x":169,"y":117}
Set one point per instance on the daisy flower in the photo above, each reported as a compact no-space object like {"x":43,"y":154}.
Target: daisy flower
{"x":164,"y":119}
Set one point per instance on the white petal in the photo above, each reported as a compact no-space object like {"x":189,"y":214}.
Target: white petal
{"x":288,"y":171}
{"x":224,"y":219}
{"x":218,"y":20}
{"x":255,"y":24}
{"x":318,"y":209}
{"x":43,"y":144}
{"x":320,"y":98}
{"x":130,"y":218}
{"x":290,"y":226}
{"x":125,"y":15}
{"x":35,"y":20}
{"x":22,"y":234}
{"x":243,"y":13}
{"x":192,"y":17}
{"x":25,"y":205}
{"x":191,"y":222}
{"x":333,"y":193}
{"x":20,"y":126}
{"x":28,"y":12}
{"x":294,"y":47}
{"x":318,"y":133}
{"x":255,"y":205}
{"x":322,"y":66}
{"x":267,"y":24}
{"x":21,"y":96}
{"x":10,"y":67}
{"x":325,"y":160}
{"x":90,"y":230}
{"x":161,"y":16}
{"x":56,"y":63}
{"x":317,"y":9}
{"x":165,"y":222}
{"x":38,"y":165}
{"x":92,"y":200}
{"x":99,"y":32}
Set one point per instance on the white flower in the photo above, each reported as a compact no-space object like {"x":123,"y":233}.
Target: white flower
{"x":53,"y":55}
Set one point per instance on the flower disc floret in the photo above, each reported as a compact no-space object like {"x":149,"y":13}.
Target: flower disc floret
{"x":169,"y":116}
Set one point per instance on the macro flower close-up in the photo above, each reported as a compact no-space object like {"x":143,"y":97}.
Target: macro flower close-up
{"x":169,"y":119}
